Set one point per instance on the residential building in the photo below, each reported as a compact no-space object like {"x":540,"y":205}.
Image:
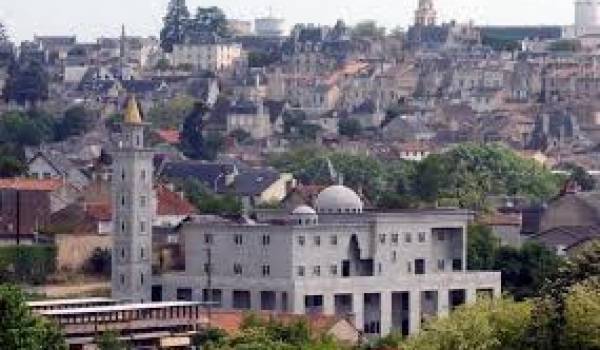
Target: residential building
{"x":209,"y":56}
{"x":250,"y":117}
{"x":53,"y":165}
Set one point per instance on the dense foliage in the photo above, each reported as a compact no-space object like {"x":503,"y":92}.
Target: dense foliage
{"x":27,"y":83}
{"x":20,"y":329}
{"x":175,"y":24}
{"x":171,"y":114}
{"x":208,"y":202}
{"x":466,"y":175}
{"x":257,"y":333}
{"x":564,"y":316}
{"x":524,"y":270}
{"x":26,"y":264}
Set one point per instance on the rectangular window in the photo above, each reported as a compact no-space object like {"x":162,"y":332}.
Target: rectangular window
{"x":317,"y":271}
{"x":441,"y":236}
{"x":208,"y":238}
{"x":301,"y":271}
{"x":333,"y":240}
{"x":317,"y":240}
{"x":394,"y":256}
{"x":143,"y":201}
{"x":407,"y":237}
{"x":142,"y":279}
{"x":333,"y":270}
{"x":237,"y":269}
{"x":301,"y":240}
{"x":419,"y":266}
{"x":441,"y":264}
{"x":266,"y":240}
{"x":457,"y":265}
{"x":142,"y":226}
{"x":207,"y":268}
{"x":266,"y":270}
{"x":422,"y":237}
{"x":238,"y":239}
{"x":382,"y":238}
{"x":394,"y":238}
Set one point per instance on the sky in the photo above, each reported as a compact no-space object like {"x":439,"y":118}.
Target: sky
{"x":89,"y":19}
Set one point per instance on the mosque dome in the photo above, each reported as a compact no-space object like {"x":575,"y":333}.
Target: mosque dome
{"x":339,"y":199}
{"x":305,"y":216}
{"x":304,"y":210}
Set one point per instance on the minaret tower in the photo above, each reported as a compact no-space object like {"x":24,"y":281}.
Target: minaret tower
{"x":425,"y":14}
{"x":133,"y":211}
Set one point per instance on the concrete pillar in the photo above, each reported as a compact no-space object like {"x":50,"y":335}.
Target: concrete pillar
{"x":386,"y":312}
{"x":470,"y":296}
{"x":255,"y":300}
{"x":414,"y":311}
{"x":443,"y":303}
{"x":297,"y":306}
{"x":358,"y":309}
{"x":328,"y":304}
{"x":227,"y":295}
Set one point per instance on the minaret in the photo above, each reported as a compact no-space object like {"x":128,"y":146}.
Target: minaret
{"x":122,"y":53}
{"x":133,"y":211}
{"x":425,"y":14}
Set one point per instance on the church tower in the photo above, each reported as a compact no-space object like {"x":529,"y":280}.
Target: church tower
{"x":133,"y":211}
{"x":425,"y":14}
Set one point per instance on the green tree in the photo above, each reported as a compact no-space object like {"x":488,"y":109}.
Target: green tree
{"x":209,"y":202}
{"x":350,"y":127}
{"x":580,"y":176}
{"x":368,"y":29}
{"x":20,"y":329}
{"x":192,"y":141}
{"x":76,"y":121}
{"x":171,"y":114}
{"x":27,"y":83}
{"x":209,"y":21}
{"x":499,"y":324}
{"x":482,"y":248}
{"x":175,"y":25}
{"x":110,"y":341}
{"x":12,"y":161}
{"x":582,"y":307}
{"x":550,"y":317}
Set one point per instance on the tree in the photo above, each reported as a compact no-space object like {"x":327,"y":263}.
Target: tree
{"x":482,"y":248}
{"x":582,"y":330}
{"x":20,"y":329}
{"x":27,"y":83}
{"x":176,"y":22}
{"x":498,"y":324}
{"x":550,"y":318}
{"x":110,"y":341}
{"x":12,"y":161}
{"x":76,"y":121}
{"x":192,"y":141}
{"x":368,"y":29}
{"x":350,"y":127}
{"x":580,"y":176}
{"x":171,"y":114}
{"x":209,"y":22}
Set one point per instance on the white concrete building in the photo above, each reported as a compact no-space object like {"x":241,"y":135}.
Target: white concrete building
{"x":207,"y":56}
{"x":587,"y":19}
{"x":388,"y":271}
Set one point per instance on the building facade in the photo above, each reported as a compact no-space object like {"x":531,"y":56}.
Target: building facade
{"x":133,"y":198}
{"x":207,"y":56}
{"x":387,"y":271}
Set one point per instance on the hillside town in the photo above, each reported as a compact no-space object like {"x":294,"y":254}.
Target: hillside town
{"x":256,"y":184}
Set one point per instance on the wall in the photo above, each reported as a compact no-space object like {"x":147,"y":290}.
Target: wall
{"x":74,"y":250}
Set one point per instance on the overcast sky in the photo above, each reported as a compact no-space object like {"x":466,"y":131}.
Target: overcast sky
{"x":92,"y":18}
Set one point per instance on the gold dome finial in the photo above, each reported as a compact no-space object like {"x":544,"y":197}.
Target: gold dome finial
{"x":132,"y":112}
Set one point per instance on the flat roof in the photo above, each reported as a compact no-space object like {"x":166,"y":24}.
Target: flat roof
{"x":122,"y":307}
{"x":66,"y":302}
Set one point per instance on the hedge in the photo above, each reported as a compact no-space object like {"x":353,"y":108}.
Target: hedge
{"x":27,"y":264}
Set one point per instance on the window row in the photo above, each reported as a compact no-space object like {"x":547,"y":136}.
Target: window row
{"x":333,"y":240}
{"x":238,"y":239}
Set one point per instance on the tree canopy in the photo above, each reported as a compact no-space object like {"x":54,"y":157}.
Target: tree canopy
{"x":209,"y":20}
{"x":20,"y":329}
{"x":175,"y":25}
{"x":27,"y":83}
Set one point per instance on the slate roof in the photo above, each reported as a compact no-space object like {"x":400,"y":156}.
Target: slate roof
{"x":567,"y":236}
{"x":253,"y":182}
{"x":141,"y":86}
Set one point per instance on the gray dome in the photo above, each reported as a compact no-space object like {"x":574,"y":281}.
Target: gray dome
{"x":304,"y":210}
{"x":339,"y":199}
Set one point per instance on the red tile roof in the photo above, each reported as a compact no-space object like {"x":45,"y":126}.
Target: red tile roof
{"x":23,"y":184}
{"x":172,"y":137}
{"x":99,"y":211}
{"x":171,"y":203}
